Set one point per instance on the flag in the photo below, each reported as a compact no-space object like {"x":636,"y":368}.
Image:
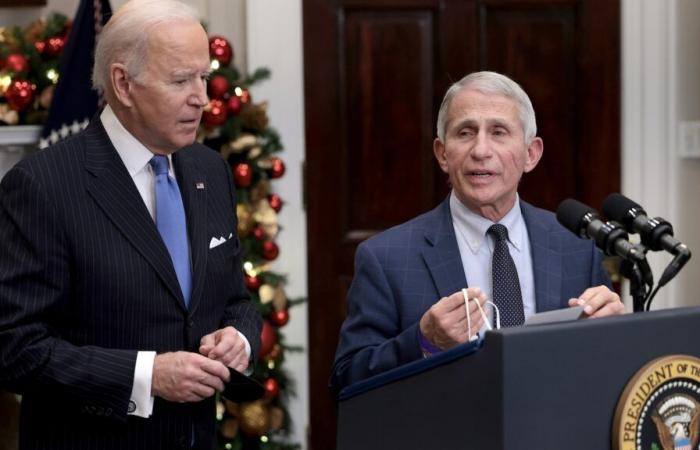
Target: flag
{"x":74,"y":100}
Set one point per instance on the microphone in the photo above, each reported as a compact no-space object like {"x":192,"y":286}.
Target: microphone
{"x":656,"y":234}
{"x":610,"y":237}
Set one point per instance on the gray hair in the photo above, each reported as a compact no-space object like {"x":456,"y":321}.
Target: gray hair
{"x":495,"y":84}
{"x":123,"y":39}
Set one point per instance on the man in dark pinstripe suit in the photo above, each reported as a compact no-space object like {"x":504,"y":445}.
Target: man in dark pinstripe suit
{"x":96,"y":332}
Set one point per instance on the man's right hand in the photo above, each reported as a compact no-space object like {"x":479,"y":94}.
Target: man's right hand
{"x":187,"y":377}
{"x":445,"y":323}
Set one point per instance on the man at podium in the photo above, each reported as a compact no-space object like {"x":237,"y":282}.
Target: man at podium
{"x":406,"y":300}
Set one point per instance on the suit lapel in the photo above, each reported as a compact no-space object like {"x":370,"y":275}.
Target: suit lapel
{"x":193,"y":186}
{"x":442,"y":256}
{"x":546,"y":261}
{"x":114,"y":191}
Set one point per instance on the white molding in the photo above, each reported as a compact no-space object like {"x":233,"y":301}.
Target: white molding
{"x":19,"y":135}
{"x":649,"y":115}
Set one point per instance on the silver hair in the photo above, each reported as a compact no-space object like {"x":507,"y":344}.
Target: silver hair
{"x":123,"y":39}
{"x":495,"y":84}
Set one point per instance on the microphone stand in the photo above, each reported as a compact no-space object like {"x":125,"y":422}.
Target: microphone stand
{"x":631,"y":271}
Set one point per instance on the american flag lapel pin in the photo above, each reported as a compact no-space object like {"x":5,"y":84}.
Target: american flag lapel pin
{"x":199,"y":185}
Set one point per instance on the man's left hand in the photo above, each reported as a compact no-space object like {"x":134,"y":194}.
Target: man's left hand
{"x":227,"y":346}
{"x":599,"y":301}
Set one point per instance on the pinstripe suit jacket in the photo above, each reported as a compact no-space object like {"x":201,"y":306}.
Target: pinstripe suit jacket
{"x":86,"y":281}
{"x":401,"y":272}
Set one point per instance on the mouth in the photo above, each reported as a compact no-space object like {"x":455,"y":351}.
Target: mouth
{"x":480,"y":173}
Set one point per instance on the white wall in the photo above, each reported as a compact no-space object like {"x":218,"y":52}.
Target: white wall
{"x":660,"y":73}
{"x":275,"y":42}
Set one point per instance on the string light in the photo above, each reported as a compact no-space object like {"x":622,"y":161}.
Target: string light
{"x":214,"y":64}
{"x":263,"y":438}
{"x":5,"y":81}
{"x":52,"y":75}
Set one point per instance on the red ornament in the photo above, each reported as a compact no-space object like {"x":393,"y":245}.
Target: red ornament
{"x":275,"y":202}
{"x":252,"y":282}
{"x":215,"y":114}
{"x":243,"y":175}
{"x":40,"y":46}
{"x":259,"y":233}
{"x":270,"y":250}
{"x":279,"y":318}
{"x":20,"y":94}
{"x":218,"y":86}
{"x":234,"y":104}
{"x":272,"y":388}
{"x":16,"y":63}
{"x":220,"y":49}
{"x":277,"y":169}
{"x":268,"y":339}
{"x":54,"y":46}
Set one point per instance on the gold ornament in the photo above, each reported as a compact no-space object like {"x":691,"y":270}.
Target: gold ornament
{"x":8,"y":115}
{"x":35,"y":30}
{"x":264,"y":213}
{"x":254,"y":152}
{"x":279,"y":301}
{"x":229,"y":428}
{"x":243,"y":142}
{"x":266,"y":293}
{"x":255,"y":116}
{"x":246,"y":222}
{"x":276,"y":418}
{"x":270,"y":229}
{"x":254,"y":418}
{"x":265,"y":163}
{"x":259,"y":192}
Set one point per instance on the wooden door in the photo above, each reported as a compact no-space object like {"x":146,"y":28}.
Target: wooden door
{"x":375,"y":74}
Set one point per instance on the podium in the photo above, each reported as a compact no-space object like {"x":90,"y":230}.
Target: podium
{"x":542,"y":387}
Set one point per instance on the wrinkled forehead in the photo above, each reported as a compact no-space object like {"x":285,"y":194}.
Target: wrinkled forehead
{"x":475,"y":105}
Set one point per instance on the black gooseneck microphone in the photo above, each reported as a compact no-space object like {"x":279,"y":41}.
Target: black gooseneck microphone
{"x":610,"y":237}
{"x":656,"y":233}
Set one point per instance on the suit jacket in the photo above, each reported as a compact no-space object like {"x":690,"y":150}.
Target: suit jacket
{"x":86,"y":281}
{"x":402,"y":271}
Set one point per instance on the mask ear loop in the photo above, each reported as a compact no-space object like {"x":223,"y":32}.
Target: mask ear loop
{"x":496,"y":313}
{"x":469,"y":319}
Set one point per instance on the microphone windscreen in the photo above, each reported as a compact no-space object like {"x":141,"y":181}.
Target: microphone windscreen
{"x":570,"y":214}
{"x":617,"y":207}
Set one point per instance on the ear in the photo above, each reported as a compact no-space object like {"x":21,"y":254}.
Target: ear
{"x":122,"y":84}
{"x":534,"y":153}
{"x":439,"y":151}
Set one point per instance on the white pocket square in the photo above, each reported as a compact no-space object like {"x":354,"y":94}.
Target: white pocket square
{"x":215,"y":242}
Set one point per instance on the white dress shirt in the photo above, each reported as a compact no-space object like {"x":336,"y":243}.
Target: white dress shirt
{"x":476,"y":249}
{"x":135,"y":157}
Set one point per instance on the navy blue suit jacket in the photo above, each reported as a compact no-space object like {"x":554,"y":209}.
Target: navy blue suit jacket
{"x":86,"y":281}
{"x":402,"y":271}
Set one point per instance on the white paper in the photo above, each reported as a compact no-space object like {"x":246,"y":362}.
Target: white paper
{"x":558,"y":315}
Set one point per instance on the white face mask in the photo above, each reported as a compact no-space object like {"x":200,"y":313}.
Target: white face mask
{"x":483,"y":315}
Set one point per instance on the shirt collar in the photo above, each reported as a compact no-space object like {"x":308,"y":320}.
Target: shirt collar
{"x":132,"y":152}
{"x":473,"y":227}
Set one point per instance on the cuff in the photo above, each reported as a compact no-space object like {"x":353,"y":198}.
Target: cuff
{"x":141,"y":400}
{"x":425,"y":345}
{"x":249,"y":369}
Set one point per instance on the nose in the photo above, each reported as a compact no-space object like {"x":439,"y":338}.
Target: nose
{"x":482,"y":146}
{"x":199,"y":96}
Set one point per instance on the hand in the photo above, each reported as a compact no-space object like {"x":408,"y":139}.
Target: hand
{"x":227,"y":346}
{"x":599,"y":301}
{"x":187,"y":377}
{"x":445,"y":323}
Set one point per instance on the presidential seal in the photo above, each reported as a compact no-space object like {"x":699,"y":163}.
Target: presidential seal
{"x":660,"y":407}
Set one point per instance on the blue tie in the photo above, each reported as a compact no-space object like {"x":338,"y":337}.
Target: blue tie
{"x":170,"y":220}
